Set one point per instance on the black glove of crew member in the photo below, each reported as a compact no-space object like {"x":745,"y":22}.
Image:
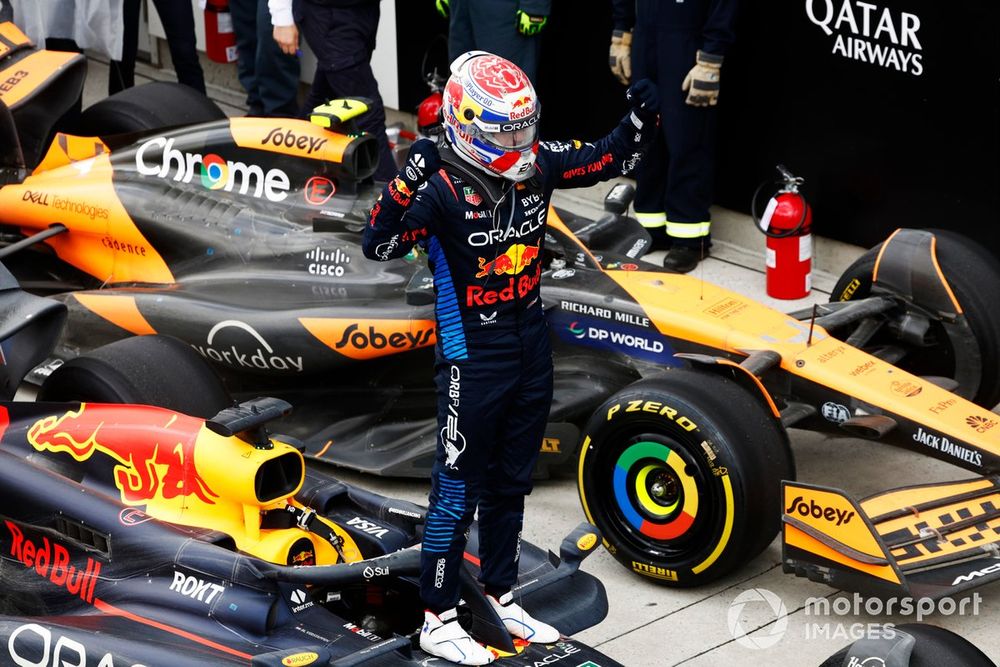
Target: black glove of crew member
{"x":644,"y":98}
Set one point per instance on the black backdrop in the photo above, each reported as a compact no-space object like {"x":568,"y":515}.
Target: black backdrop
{"x":879,"y":147}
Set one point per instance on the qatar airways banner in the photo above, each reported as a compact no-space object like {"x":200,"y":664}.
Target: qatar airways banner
{"x":869,"y":33}
{"x":889,"y":109}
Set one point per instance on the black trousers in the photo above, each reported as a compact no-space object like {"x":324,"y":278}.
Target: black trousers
{"x":270,"y":77}
{"x":177,"y":17}
{"x":343,"y":39}
{"x":676,"y":176}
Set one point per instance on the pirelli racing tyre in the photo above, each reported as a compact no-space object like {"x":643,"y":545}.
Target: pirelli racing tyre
{"x":682,"y":474}
{"x":933,"y":647}
{"x":972,"y":273}
{"x":152,"y":370}
{"x":151,"y":106}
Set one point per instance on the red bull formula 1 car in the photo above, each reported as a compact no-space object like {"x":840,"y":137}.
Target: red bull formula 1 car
{"x":240,"y":237}
{"x":140,"y":536}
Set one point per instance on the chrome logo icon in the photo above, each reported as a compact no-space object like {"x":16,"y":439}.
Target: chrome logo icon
{"x":214,"y":172}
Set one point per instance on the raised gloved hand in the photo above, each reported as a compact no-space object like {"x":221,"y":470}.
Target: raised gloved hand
{"x":443,"y":7}
{"x":644,"y":98}
{"x":620,"y":55}
{"x":529,"y":25}
{"x":421,"y":163}
{"x":702,"y":82}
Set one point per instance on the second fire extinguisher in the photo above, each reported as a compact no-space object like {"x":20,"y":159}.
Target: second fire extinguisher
{"x":220,"y":40}
{"x":787,"y":223}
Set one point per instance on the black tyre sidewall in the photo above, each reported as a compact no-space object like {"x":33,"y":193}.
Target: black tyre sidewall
{"x":151,"y":106}
{"x":151,"y":370}
{"x":746,"y":440}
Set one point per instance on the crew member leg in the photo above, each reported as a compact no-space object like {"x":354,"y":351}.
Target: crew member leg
{"x":121,"y":74}
{"x":343,"y":39}
{"x":277,"y":72}
{"x":244,"y":14}
{"x":178,"y":24}
{"x":690,"y":140}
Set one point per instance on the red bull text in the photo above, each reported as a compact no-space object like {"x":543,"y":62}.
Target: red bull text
{"x":51,"y":561}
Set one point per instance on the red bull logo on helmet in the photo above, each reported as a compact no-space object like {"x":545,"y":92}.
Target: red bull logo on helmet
{"x":512,"y":262}
{"x":154,"y":462}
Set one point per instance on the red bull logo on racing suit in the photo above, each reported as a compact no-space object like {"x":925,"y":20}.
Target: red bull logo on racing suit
{"x":154,"y":462}
{"x":512,"y":262}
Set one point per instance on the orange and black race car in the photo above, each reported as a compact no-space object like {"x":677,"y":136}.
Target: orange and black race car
{"x":241,"y":238}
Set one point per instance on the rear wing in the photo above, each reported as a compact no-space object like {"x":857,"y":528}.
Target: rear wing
{"x":38,"y":87}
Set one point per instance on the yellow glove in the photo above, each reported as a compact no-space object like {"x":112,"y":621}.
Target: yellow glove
{"x":702,"y":82}
{"x":529,"y":25}
{"x":443,"y":8}
{"x":620,"y":55}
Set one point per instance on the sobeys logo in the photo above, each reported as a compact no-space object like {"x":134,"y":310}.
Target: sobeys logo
{"x":834,"y":515}
{"x":213,"y":171}
{"x":372,"y":338}
{"x":860,"y":26}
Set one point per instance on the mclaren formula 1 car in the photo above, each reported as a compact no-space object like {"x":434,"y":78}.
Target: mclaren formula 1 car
{"x":133,"y":535}
{"x":241,"y":238}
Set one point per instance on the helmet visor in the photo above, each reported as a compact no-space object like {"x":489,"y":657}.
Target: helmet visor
{"x":516,"y":140}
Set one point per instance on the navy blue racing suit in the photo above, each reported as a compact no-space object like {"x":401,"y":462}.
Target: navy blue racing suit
{"x":493,"y":360}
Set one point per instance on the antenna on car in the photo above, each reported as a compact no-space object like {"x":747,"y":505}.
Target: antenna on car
{"x":812,"y":325}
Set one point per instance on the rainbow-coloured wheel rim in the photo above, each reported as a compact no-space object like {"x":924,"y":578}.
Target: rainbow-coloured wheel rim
{"x":654,"y":491}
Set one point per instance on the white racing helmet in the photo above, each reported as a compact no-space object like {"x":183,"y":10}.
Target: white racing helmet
{"x":491,"y":115}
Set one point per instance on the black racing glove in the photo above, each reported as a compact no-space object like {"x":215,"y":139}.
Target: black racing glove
{"x":644,"y":98}
{"x":421,"y":163}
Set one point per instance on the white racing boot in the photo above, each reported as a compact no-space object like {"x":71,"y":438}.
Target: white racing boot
{"x":519,"y":623}
{"x":443,"y":637}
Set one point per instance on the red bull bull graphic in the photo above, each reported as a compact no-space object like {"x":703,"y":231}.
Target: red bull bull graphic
{"x":516,"y":259}
{"x":498,"y":77}
{"x":159,"y":462}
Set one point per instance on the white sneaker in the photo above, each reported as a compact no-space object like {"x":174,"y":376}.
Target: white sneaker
{"x":519,"y":623}
{"x":443,"y":637}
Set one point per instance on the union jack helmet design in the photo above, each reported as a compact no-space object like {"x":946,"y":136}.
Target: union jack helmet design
{"x":491,"y":115}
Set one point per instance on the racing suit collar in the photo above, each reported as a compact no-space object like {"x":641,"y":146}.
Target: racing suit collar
{"x":492,"y":187}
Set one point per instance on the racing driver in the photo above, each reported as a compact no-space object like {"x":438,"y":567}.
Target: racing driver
{"x":482,"y":224}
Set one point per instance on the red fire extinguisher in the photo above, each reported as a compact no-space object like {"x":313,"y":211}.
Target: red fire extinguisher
{"x":220,"y":40}
{"x":787,"y":223}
